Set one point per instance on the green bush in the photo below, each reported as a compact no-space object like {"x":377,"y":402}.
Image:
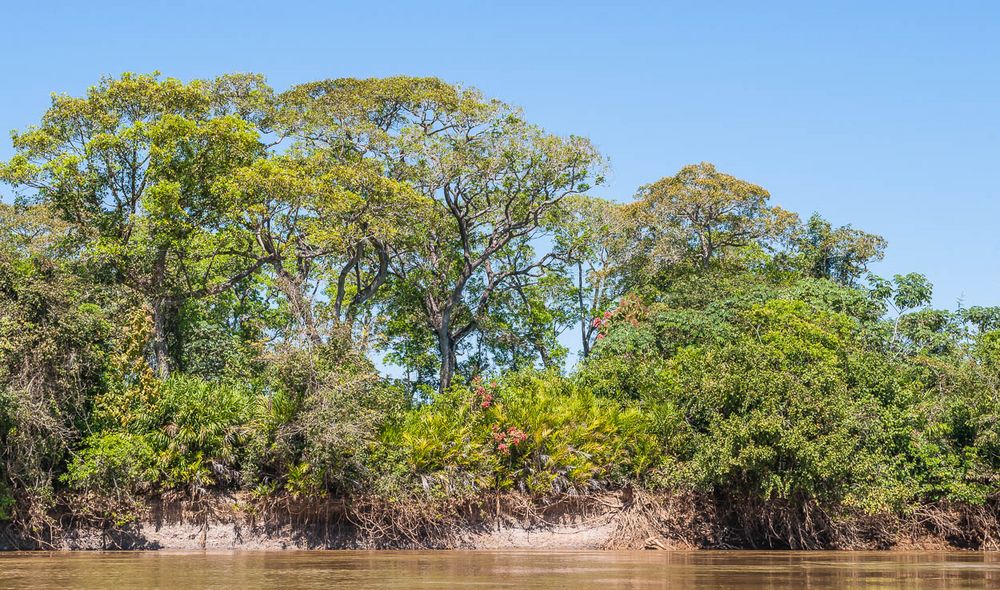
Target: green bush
{"x":52,"y":356}
{"x":339,"y":426}
{"x":319,"y":422}
{"x":776,"y":415}
{"x":187,"y":434}
{"x":533,"y":432}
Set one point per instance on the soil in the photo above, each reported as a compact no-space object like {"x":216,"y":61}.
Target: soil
{"x":620,"y":520}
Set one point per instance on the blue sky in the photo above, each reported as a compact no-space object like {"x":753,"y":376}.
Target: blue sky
{"x":885,"y":115}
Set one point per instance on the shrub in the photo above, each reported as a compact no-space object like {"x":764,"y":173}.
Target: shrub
{"x":338,"y":426}
{"x":188,"y":434}
{"x":533,"y":432}
{"x":782,"y":410}
{"x":52,"y":343}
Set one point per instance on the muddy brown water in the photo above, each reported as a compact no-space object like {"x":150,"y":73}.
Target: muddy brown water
{"x":524,"y":570}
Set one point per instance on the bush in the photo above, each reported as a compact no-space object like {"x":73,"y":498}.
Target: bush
{"x":338,"y":426}
{"x":320,"y":420}
{"x":187,"y":434}
{"x":534,"y":432}
{"x":792,"y":407}
{"x":52,"y":342}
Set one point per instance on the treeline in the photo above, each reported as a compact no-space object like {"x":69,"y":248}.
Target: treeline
{"x":195,"y":278}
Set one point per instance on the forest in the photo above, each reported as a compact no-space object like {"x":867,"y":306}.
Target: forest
{"x":399,"y":290}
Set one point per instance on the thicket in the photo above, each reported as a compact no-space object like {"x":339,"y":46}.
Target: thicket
{"x":372,"y":288}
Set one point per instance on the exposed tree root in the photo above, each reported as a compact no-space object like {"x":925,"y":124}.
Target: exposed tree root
{"x":626,"y":519}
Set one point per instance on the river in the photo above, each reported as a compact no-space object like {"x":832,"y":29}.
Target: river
{"x":705,"y":570}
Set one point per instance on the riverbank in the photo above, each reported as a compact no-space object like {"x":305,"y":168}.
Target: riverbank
{"x":625,"y":519}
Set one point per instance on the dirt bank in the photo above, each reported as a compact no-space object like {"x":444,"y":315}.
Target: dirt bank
{"x":620,"y":520}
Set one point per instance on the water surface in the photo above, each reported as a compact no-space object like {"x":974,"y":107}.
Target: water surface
{"x":705,"y":570}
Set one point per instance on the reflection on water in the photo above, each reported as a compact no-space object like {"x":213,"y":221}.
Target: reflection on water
{"x":575,"y":570}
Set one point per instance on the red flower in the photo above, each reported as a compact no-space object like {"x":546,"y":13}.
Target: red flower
{"x":516,"y":435}
{"x":485,"y":395}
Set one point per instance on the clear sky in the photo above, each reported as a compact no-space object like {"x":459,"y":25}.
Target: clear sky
{"x":885,"y":115}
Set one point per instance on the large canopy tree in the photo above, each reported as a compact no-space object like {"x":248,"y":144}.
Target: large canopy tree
{"x":489,"y":176}
{"x":131,"y":165}
{"x":709,"y":212}
{"x":328,"y":231}
{"x":841,"y":254}
{"x":595,"y":237}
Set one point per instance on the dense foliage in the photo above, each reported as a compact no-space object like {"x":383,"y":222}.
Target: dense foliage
{"x":200,"y":283}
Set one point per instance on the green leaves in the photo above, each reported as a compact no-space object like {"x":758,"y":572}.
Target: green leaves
{"x":572,"y":440}
{"x":53,"y":342}
{"x":795,"y":393}
{"x":702,"y":213}
{"x":840,"y":254}
{"x":131,"y":165}
{"x":196,"y":276}
{"x":190,"y":435}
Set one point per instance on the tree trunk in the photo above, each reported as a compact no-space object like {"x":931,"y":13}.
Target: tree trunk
{"x":161,"y":350}
{"x":584,"y":320}
{"x":448,"y":358}
{"x":543,"y":352}
{"x":707,"y":250}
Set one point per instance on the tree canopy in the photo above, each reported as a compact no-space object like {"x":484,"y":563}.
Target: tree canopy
{"x":399,"y":287}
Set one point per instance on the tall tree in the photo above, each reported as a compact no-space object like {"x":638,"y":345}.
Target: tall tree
{"x":494,"y":177}
{"x":131,"y":165}
{"x":710,"y":212}
{"x":594,"y":237}
{"x":328,"y":231}
{"x":490,"y":176}
{"x":840,"y":254}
